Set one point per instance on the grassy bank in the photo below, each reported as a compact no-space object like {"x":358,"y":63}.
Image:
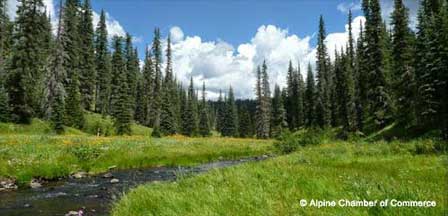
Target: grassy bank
{"x":341,"y":170}
{"x":24,"y":156}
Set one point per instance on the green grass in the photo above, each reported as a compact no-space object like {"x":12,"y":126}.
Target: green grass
{"x":24,"y":156}
{"x":334,"y":171}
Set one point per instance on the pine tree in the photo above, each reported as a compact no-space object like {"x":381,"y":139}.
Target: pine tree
{"x":54,"y":100}
{"x":70,"y":38}
{"x":361,"y":79}
{"x":220,"y":112}
{"x":310,"y":94}
{"x":132,"y":68}
{"x":300,"y":98}
{"x":263,"y":111}
{"x":102,"y":62}
{"x":292,"y":98}
{"x":379,"y":99}
{"x":87,"y":70}
{"x":323,"y":106}
{"x":204,"y":127}
{"x":278,"y":113}
{"x":245,"y":122}
{"x":4,"y":50}
{"x":168,"y":121}
{"x":189,"y":116}
{"x":27,"y":61}
{"x":148,"y":81}
{"x":155,"y":107}
{"x":230,"y":124}
{"x":443,"y":38}
{"x":118,"y":68}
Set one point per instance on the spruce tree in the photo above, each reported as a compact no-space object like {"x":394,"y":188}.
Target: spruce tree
{"x":189,"y":115}
{"x":70,"y":38}
{"x":278,"y":113}
{"x":27,"y":61}
{"x":147,"y":88}
{"x":54,"y":100}
{"x":361,"y":79}
{"x":132,"y":69}
{"x":168,"y":119}
{"x":323,"y":106}
{"x":230,"y":124}
{"x":220,"y":112}
{"x":245,"y":122}
{"x":118,"y":68}
{"x":4,"y":43}
{"x":155,"y":106}
{"x":87,"y":70}
{"x":204,"y":127}
{"x":310,"y":95}
{"x":300,"y":98}
{"x":378,"y":95}
{"x":102,"y":62}
{"x":263,"y":110}
{"x":292,"y":97}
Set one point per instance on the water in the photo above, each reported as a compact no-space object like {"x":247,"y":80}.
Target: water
{"x":92,"y":194}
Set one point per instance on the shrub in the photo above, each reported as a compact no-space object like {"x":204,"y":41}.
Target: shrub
{"x":96,"y":124}
{"x":289,"y":142}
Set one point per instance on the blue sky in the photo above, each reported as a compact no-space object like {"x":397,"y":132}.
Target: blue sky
{"x":221,"y":42}
{"x":233,"y":21}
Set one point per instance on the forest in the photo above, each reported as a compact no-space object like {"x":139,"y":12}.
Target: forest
{"x":74,"y":100}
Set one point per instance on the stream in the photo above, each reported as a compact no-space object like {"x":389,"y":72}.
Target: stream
{"x":94,"y":194}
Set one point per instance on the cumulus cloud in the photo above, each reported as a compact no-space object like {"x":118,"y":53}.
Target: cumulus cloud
{"x":220,"y":64}
{"x":339,"y":40}
{"x":114,"y":27}
{"x":176,"y":34}
{"x":344,"y":7}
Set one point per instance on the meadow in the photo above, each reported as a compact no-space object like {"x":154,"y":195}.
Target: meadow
{"x":32,"y":151}
{"x":334,"y":170}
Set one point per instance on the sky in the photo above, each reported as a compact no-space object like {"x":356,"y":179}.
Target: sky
{"x":221,"y":42}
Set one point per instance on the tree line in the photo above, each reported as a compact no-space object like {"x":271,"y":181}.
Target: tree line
{"x":390,"y":74}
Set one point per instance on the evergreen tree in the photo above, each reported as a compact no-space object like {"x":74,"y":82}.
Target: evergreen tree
{"x":204,"y":127}
{"x":132,"y":69}
{"x":70,"y":38}
{"x":189,"y":116}
{"x":278,"y":113}
{"x":291,"y":103}
{"x":379,"y":99}
{"x":230,"y":124}
{"x":300,"y":98}
{"x":403,"y":77}
{"x":118,"y":68}
{"x":310,"y":94}
{"x":87,"y":70}
{"x":361,"y":79}
{"x":245,"y":122}
{"x":147,"y":86}
{"x":263,"y":112}
{"x":443,"y":38}
{"x":168,"y":119}
{"x":102,"y":62}
{"x":27,"y":61}
{"x":220,"y":112}
{"x":4,"y":50}
{"x":54,"y":105}
{"x":155,"y":106}
{"x":323,"y":106}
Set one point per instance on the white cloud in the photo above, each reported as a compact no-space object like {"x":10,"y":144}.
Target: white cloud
{"x":220,"y":65}
{"x":339,"y":40}
{"x":176,"y":34}
{"x":344,"y":7}
{"x":114,"y":28}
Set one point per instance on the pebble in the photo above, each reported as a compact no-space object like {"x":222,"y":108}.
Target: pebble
{"x":8,"y":184}
{"x":35,"y":184}
{"x":113,"y":181}
{"x":80,"y":175}
{"x":108,"y":175}
{"x":72,"y":213}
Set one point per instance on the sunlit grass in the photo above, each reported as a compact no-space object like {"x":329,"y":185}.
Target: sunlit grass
{"x":24,"y":156}
{"x":332,"y":171}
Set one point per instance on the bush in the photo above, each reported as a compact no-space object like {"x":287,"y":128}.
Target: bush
{"x":289,"y":142}
{"x":96,"y":124}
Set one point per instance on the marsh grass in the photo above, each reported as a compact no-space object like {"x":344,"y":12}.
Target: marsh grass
{"x":332,"y":171}
{"x":24,"y":156}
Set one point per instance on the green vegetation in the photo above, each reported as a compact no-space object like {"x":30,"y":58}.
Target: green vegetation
{"x":332,"y":171}
{"x":28,"y":151}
